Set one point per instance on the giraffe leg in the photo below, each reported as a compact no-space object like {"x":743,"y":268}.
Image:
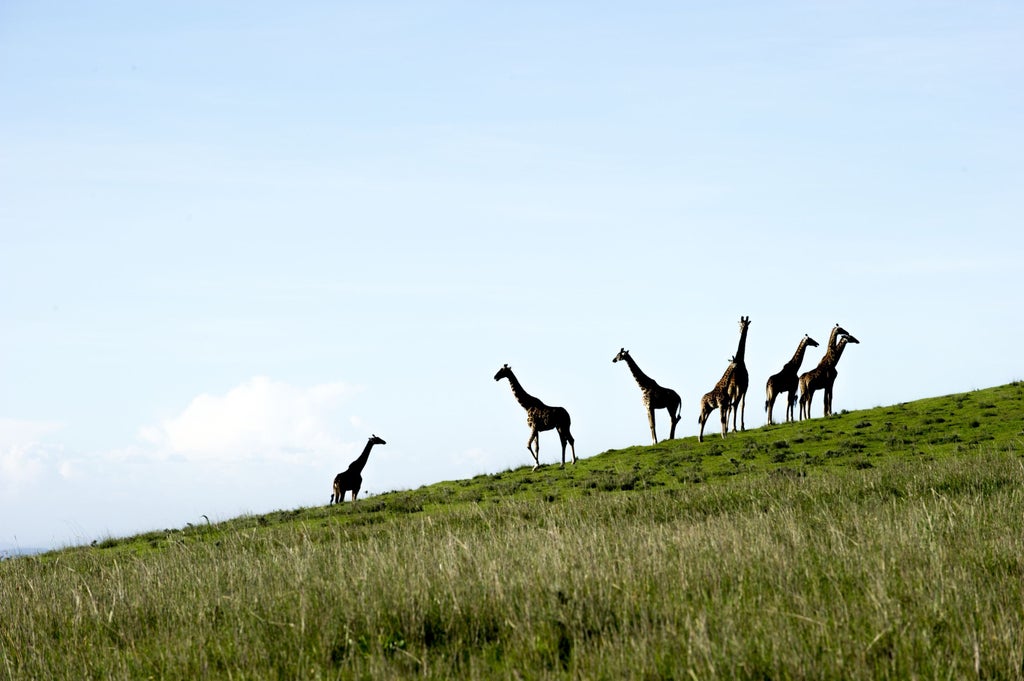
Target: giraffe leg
{"x":743,"y":413}
{"x":769,"y":403}
{"x":724,"y":412}
{"x":534,"y":441}
{"x":804,"y":387}
{"x":650,"y":420}
{"x":675,"y":416}
{"x":572,"y":445}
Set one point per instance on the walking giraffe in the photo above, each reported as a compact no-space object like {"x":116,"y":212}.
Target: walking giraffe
{"x":787,"y":380}
{"x":539,"y":417}
{"x":822,"y":376}
{"x":351,"y":478}
{"x":654,"y":395}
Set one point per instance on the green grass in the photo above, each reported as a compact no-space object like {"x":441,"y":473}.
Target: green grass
{"x":883,"y":543}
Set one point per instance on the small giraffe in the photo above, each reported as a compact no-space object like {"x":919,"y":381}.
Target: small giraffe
{"x":719,"y":399}
{"x":740,"y":379}
{"x":539,"y":417}
{"x":822,"y":376}
{"x":351,"y":478}
{"x":787,"y":380}
{"x":654,"y":396}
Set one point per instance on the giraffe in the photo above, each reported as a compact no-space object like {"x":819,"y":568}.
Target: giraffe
{"x":830,"y":378}
{"x":833,"y":341}
{"x":833,"y":336}
{"x":539,"y":417}
{"x":739,"y":379}
{"x":719,"y":399}
{"x":352,"y":478}
{"x":822,"y":376}
{"x":654,"y":396}
{"x":787,"y":380}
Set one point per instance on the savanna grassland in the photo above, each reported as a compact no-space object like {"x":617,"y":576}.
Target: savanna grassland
{"x":885,"y":543}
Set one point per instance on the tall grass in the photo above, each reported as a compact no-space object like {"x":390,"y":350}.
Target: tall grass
{"x":904,"y":570}
{"x":881,"y":544}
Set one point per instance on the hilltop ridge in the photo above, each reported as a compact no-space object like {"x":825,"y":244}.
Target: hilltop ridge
{"x":920,"y":430}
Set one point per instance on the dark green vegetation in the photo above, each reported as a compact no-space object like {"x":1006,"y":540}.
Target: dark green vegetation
{"x":884,"y":543}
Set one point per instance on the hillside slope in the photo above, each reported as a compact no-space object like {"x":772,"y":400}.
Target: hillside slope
{"x":883,"y":543}
{"x":922,"y":430}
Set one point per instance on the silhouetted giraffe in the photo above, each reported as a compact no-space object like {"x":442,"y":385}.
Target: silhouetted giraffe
{"x":719,"y":399}
{"x":833,"y":339}
{"x":739,"y":380}
{"x":539,"y":417}
{"x":787,"y":380}
{"x":830,"y":377}
{"x":654,"y":396}
{"x":351,"y":478}
{"x":822,"y":376}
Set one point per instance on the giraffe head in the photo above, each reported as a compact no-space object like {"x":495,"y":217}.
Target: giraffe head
{"x":810,"y":341}
{"x":623,"y":354}
{"x":374,"y":440}
{"x":850,"y":339}
{"x":503,"y":372}
{"x":744,"y":323}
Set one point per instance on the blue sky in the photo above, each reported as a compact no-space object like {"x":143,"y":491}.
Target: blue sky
{"x":237,"y":239}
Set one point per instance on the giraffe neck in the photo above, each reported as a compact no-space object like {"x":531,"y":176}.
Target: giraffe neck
{"x":742,"y":347}
{"x":642,"y":379}
{"x":358,"y":464}
{"x":798,"y":356}
{"x":836,"y":352}
{"x":832,"y":338}
{"x":723,"y":382}
{"x":525,"y":399}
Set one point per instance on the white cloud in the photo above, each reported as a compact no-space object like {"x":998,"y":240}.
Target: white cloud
{"x":23,"y":453}
{"x":260,"y":418}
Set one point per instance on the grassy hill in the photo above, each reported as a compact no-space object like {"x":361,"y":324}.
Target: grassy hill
{"x":883,"y":543}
